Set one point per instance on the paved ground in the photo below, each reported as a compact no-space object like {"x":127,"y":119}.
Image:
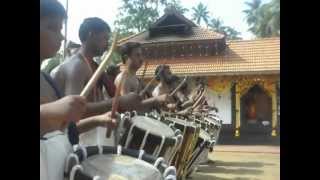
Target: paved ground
{"x":230,"y":162}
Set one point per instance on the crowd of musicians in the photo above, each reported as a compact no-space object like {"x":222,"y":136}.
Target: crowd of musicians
{"x":67,"y":119}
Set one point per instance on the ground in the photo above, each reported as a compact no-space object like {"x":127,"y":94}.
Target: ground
{"x":241,"y":162}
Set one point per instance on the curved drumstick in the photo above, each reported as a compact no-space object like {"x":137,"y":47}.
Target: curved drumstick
{"x":141,"y":94}
{"x":93,"y":80}
{"x":178,"y":87}
{"x":199,"y":100}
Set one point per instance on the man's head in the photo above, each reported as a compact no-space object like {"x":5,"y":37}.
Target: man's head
{"x":163,"y":73}
{"x":94,"y":33}
{"x":132,"y":55}
{"x":52,"y":15}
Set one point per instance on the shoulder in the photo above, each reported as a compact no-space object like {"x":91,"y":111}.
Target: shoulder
{"x":119,"y":76}
{"x":75,"y":67}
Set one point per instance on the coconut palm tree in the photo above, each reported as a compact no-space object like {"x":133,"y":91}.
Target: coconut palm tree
{"x":216,"y":24}
{"x":200,"y":13}
{"x":252,"y":14}
{"x":264,"y":20}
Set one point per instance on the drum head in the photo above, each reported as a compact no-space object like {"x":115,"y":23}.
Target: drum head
{"x":153,"y":126}
{"x":121,"y":167}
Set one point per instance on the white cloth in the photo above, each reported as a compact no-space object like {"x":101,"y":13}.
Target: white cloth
{"x":53,"y":154}
{"x":96,"y":136}
{"x":43,"y":165}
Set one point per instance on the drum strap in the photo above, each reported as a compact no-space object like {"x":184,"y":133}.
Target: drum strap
{"x":73,"y":134}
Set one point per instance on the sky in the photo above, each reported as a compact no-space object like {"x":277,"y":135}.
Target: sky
{"x":229,"y":11}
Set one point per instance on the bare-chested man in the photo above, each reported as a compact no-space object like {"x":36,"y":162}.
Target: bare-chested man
{"x":168,"y":82}
{"x":132,"y":58}
{"x":73,"y":75}
{"x":55,"y":138}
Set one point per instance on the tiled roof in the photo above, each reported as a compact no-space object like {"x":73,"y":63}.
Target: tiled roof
{"x":261,"y":56}
{"x":198,"y":33}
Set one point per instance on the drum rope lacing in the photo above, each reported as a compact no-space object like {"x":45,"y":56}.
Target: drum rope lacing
{"x":129,"y":137}
{"x":74,"y":170}
{"x":163,"y":138}
{"x":144,"y":139}
{"x":168,"y":174}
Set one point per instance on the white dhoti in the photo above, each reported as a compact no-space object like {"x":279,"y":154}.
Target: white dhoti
{"x":53,"y":154}
{"x":97,"y":136}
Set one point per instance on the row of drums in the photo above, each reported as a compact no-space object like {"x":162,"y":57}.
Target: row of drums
{"x":151,"y":146}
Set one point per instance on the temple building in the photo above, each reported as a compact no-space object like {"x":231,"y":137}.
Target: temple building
{"x":243,"y":76}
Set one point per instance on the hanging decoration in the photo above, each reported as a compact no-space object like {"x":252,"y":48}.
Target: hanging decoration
{"x":219,"y":85}
{"x":245,"y":83}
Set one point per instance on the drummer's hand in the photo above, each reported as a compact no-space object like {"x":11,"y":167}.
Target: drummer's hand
{"x":105,"y":120}
{"x":162,"y":98}
{"x":171,"y":106}
{"x":69,"y":108}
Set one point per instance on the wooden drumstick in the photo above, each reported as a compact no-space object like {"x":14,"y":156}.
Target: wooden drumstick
{"x":115,"y":101}
{"x":141,"y":94}
{"x":199,"y":100}
{"x":178,"y":87}
{"x":93,"y":80}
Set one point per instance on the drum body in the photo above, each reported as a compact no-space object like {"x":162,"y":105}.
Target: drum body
{"x":151,"y":135}
{"x":115,"y":163}
{"x":205,"y":142}
{"x":190,"y":131}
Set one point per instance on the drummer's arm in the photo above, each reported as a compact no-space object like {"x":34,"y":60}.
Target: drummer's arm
{"x":103,"y":120}
{"x":87,"y":124}
{"x":154,"y":102}
{"x":45,"y":125}
{"x":95,"y":108}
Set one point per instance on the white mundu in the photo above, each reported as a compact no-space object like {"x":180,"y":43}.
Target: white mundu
{"x":53,"y":154}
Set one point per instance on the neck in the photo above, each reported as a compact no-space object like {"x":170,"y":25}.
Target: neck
{"x":84,"y":50}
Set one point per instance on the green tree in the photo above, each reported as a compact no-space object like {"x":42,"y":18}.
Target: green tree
{"x":216,"y":25}
{"x":200,"y":13}
{"x":263,"y":20}
{"x":252,"y":13}
{"x":136,"y":15}
{"x":177,"y":5}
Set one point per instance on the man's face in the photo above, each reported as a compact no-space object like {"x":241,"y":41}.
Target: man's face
{"x":167,"y":75}
{"x":50,"y":36}
{"x":99,"y":42}
{"x":135,"y":59}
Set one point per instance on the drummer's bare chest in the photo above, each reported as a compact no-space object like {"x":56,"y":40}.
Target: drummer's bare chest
{"x":47,"y":93}
{"x":133,"y":84}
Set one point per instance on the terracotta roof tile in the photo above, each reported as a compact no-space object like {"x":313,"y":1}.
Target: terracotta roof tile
{"x":198,"y":34}
{"x":242,"y":57}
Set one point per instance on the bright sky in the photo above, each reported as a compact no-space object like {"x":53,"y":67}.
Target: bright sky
{"x":230,"y":11}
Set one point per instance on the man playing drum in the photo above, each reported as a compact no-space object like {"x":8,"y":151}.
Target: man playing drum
{"x":74,"y":73}
{"x":55,"y":139}
{"x":128,"y":82}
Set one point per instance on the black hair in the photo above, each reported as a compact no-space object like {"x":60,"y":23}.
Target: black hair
{"x":159,"y":71}
{"x":52,"y":8}
{"x":113,"y":70}
{"x":126,"y":50}
{"x":93,"y":24}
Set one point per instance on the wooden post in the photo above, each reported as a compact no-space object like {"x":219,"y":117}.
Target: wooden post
{"x":274,"y":110}
{"x":237,"y":132}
